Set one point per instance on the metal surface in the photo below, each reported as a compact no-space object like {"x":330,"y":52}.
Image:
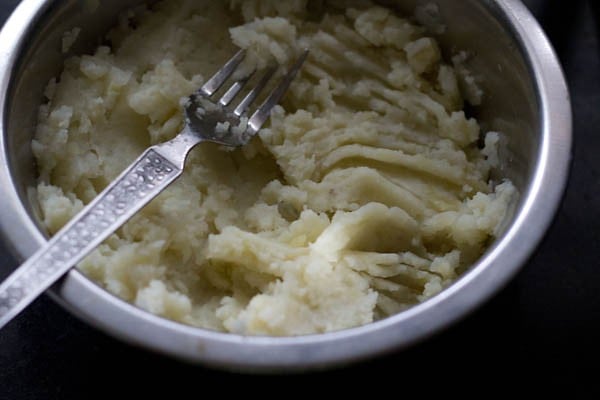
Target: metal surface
{"x":526,"y":98}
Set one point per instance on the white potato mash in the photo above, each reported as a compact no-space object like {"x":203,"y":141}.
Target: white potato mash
{"x":366,"y":194}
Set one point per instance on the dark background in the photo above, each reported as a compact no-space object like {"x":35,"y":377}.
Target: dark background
{"x":541,"y":332}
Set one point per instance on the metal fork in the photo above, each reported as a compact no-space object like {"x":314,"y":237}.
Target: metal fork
{"x":143,"y":180}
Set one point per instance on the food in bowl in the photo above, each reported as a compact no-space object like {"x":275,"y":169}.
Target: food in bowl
{"x":368,"y":192}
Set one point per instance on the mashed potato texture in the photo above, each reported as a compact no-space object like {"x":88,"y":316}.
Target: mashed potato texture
{"x":366,"y":194}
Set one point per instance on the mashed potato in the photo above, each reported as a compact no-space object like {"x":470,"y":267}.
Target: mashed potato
{"x":366,"y":193}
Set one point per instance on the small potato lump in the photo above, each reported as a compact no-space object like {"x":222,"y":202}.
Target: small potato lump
{"x":365,"y":194}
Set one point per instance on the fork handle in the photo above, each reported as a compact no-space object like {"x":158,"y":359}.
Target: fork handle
{"x":153,"y":171}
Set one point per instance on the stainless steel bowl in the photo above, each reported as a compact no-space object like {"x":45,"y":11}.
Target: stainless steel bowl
{"x":526,"y":98}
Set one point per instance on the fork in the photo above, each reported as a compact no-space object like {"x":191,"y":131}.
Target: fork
{"x":145,"y":178}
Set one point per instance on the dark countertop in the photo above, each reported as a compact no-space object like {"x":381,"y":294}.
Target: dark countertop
{"x":546,"y":320}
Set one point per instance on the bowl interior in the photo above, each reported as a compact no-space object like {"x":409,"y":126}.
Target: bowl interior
{"x":494,"y":58}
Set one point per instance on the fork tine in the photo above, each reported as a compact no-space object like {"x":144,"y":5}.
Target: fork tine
{"x":264,"y":111}
{"x":234,"y":90}
{"x":218,"y":79}
{"x":250,"y":97}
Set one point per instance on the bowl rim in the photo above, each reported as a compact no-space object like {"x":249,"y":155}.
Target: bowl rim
{"x":112,"y":315}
